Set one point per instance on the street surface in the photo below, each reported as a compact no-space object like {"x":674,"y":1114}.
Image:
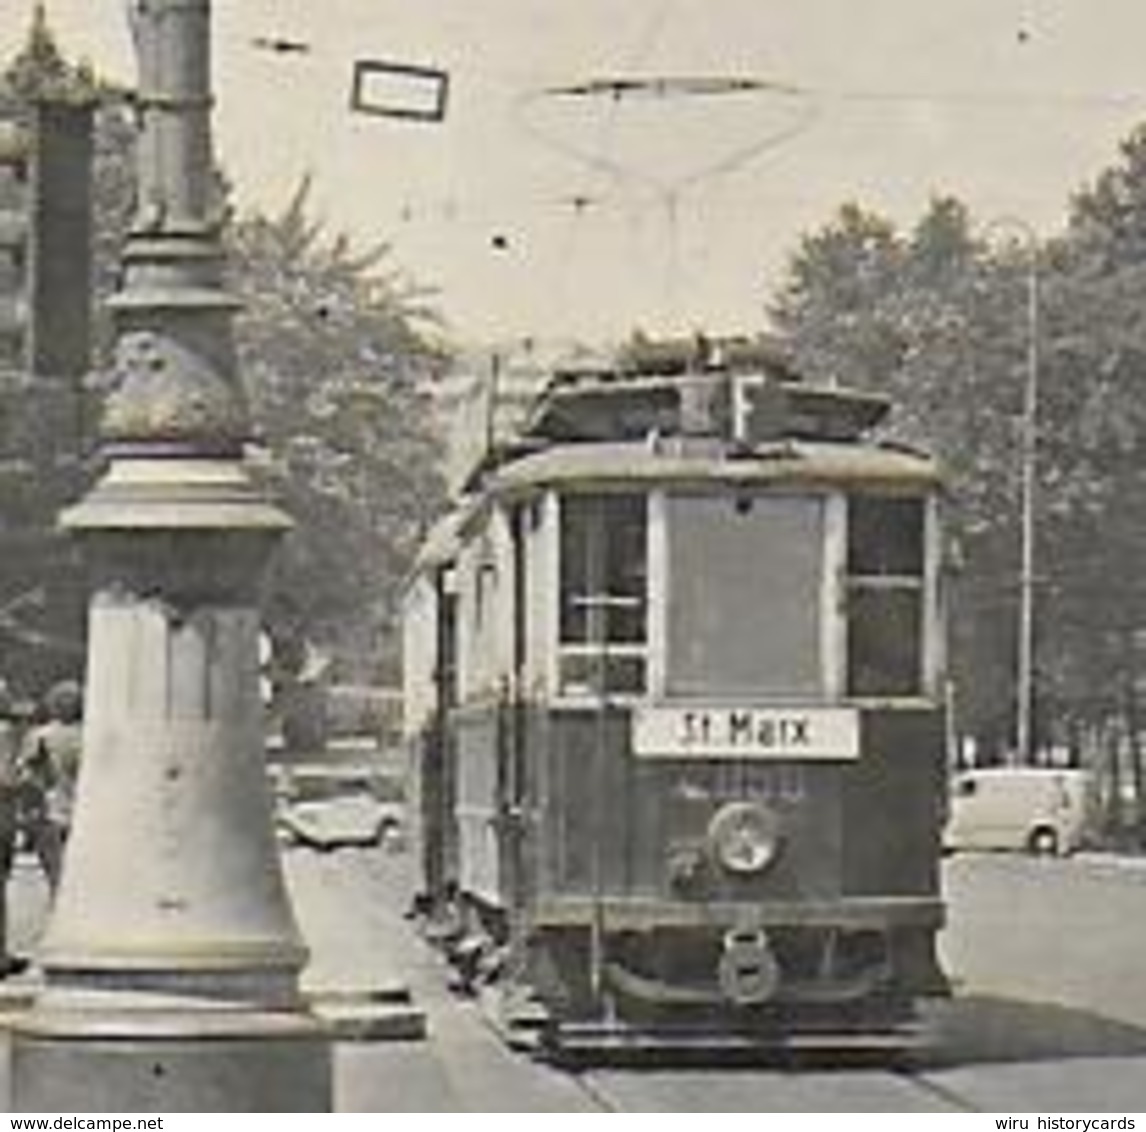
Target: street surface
{"x":1049,"y":1013}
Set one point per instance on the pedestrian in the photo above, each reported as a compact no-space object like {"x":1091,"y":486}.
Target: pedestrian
{"x":10,"y":735}
{"x":49,"y":765}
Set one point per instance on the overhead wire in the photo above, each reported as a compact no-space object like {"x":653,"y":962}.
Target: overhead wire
{"x":669,"y":192}
{"x":1022,"y":99}
{"x":645,"y":44}
{"x":605,"y":182}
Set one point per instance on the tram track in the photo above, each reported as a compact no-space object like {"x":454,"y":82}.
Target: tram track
{"x":765,"y":1088}
{"x":781,"y":1079}
{"x":947,"y":1096}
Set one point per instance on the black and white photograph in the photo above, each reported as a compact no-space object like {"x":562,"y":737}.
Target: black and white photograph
{"x":574,"y":557}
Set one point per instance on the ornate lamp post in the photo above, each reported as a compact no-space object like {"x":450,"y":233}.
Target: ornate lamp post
{"x":172,"y":957}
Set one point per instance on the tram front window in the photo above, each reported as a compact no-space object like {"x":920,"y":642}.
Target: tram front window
{"x":603,"y":593}
{"x":743,"y":609}
{"x":886,"y":572}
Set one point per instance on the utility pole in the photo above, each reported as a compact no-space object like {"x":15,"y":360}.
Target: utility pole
{"x":1029,"y":450}
{"x":172,"y":958}
{"x":1028,"y":472}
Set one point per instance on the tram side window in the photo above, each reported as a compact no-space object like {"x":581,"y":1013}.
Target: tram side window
{"x":603,"y":596}
{"x":886,"y":571}
{"x":447,"y":652}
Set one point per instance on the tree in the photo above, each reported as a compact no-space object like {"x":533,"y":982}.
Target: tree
{"x":338,"y":355}
{"x":41,"y":467}
{"x":933,"y":318}
{"x":834,"y":308}
{"x":936,"y":318}
{"x":1096,"y":450}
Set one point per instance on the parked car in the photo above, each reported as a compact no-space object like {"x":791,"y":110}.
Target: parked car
{"x":1037,"y":809}
{"x":330,"y":808}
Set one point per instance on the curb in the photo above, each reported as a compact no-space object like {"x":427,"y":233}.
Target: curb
{"x":370,"y":1014}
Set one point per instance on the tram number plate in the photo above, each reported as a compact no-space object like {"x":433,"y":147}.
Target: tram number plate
{"x":745,"y":733}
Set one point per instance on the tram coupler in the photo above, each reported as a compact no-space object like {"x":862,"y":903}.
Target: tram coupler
{"x":748,"y":972}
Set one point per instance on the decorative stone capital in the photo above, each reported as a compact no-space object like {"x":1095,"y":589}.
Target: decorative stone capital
{"x":170,"y":494}
{"x":169,"y":392}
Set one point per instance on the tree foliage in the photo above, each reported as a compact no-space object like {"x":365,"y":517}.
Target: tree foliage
{"x":938,"y":317}
{"x":41,"y":595}
{"x":339,"y":358}
{"x":933,"y":319}
{"x":338,"y":355}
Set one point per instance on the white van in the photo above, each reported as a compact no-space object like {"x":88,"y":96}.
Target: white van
{"x":1036,"y":809}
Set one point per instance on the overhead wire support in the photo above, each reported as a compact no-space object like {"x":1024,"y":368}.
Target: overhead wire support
{"x":616,"y":90}
{"x":668,"y":189}
{"x":667,"y":86}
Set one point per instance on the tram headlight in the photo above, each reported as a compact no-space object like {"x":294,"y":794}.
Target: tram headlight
{"x":744,"y":837}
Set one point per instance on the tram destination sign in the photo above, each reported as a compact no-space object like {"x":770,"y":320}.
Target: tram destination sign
{"x":701,"y":731}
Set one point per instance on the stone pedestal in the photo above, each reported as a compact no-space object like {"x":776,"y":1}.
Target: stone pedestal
{"x":172,"y":958}
{"x":96,"y":1061}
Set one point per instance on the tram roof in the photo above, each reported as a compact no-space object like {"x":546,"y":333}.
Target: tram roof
{"x":675,"y":460}
{"x":687,"y":463}
{"x":615,"y":406}
{"x":441,"y":542}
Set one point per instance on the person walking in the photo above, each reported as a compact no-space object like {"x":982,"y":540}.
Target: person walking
{"x":50,"y":765}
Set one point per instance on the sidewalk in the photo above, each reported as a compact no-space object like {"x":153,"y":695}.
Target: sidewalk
{"x":350,"y":906}
{"x":1112,"y":860}
{"x":356,"y":979}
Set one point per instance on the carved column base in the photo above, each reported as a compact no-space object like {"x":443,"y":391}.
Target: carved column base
{"x":172,"y":957}
{"x":127,"y":1056}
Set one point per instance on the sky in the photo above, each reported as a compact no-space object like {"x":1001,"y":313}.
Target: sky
{"x":533,"y":213}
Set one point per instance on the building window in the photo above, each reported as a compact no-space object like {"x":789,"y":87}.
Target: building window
{"x":603,"y":593}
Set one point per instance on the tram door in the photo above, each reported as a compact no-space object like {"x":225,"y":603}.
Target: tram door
{"x":512,"y":725}
{"x":439,"y":781}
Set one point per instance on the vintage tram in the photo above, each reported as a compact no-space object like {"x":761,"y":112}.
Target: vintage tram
{"x":674,"y":691}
